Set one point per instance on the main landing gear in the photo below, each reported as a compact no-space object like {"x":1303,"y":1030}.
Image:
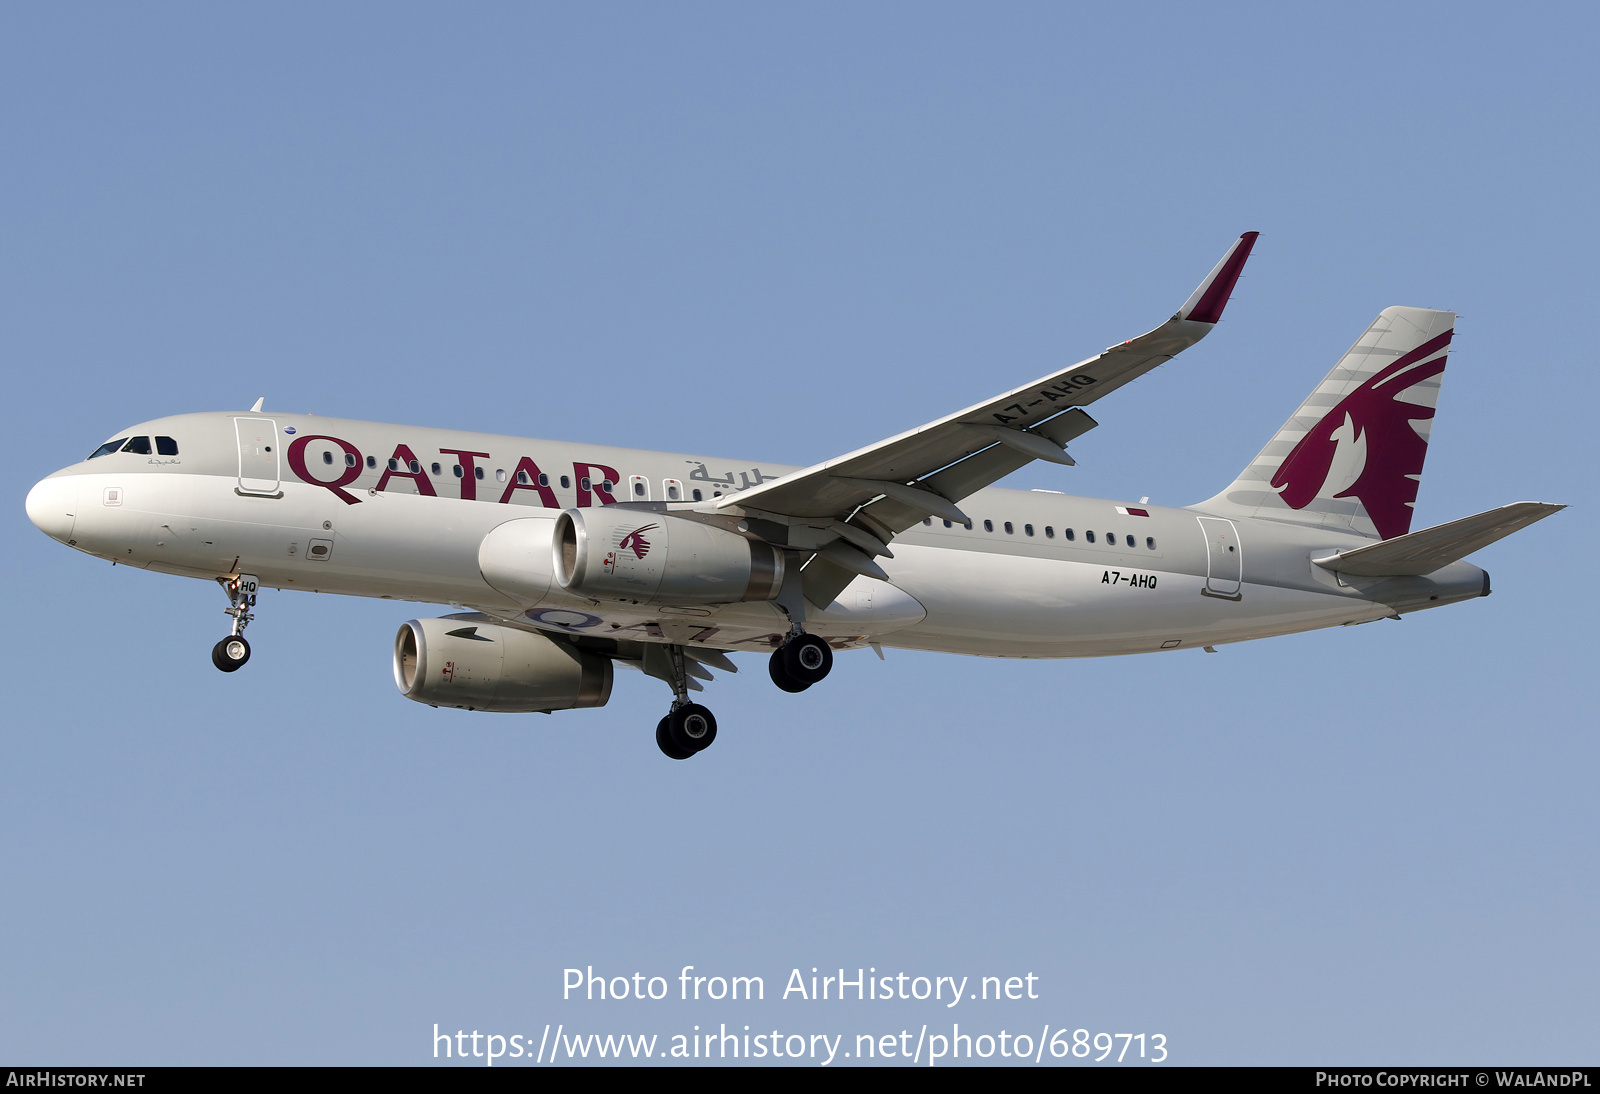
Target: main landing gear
{"x":233,"y":651}
{"x":801,"y":661}
{"x":688,"y":727}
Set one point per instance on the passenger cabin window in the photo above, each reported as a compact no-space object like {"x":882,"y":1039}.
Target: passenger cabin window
{"x":1150,"y":542}
{"x":109,"y":447}
{"x":988,"y":526}
{"x":457,"y":472}
{"x":416,"y":468}
{"x":139,"y":446}
{"x":166,"y":446}
{"x":372,"y":461}
{"x":477,"y":473}
{"x":1008,"y":528}
{"x":947,"y":524}
{"x":435,"y":469}
{"x":1069,"y":534}
{"x":327,"y":457}
{"x":544,"y":480}
{"x":349,"y":457}
{"x":522,"y":477}
{"x":499,"y":474}
{"x":698,"y":496}
{"x":1049,"y":532}
{"x":566,"y":483}
{"x":1089,"y":536}
{"x":1028,"y":528}
{"x":673,"y":489}
{"x":929,"y":521}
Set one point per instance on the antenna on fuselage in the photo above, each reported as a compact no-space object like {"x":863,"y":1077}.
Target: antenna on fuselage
{"x":257,"y":408}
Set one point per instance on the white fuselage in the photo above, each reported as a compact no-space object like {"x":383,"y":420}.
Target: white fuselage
{"x":335,"y":506}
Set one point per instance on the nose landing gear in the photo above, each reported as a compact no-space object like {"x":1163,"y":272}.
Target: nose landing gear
{"x":800,"y":662}
{"x":233,"y":651}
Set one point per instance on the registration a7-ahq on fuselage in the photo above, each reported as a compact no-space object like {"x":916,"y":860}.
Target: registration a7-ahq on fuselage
{"x":576,"y":558}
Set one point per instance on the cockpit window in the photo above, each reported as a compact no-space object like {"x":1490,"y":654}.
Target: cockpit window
{"x":108,"y":448}
{"x":139,"y":446}
{"x":166,"y":446}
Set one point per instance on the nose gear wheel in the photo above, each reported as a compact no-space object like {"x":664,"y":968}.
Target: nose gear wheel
{"x":231,"y":653}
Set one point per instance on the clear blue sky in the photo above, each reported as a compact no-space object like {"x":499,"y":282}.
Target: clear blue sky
{"x":788,"y":232}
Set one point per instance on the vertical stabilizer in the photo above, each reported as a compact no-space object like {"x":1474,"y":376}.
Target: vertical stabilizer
{"x":1351,"y":457}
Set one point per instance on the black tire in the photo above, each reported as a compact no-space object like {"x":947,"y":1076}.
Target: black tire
{"x":664,"y":742}
{"x":692,"y":727}
{"x":231,"y":653}
{"x":807,"y":659}
{"x":780,"y":675}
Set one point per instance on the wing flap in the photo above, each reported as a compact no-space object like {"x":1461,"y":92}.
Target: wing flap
{"x":968,"y":476}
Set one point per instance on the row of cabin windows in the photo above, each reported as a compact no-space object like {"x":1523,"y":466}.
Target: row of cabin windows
{"x":139,"y":446}
{"x":1050,"y":533}
{"x":166,"y":446}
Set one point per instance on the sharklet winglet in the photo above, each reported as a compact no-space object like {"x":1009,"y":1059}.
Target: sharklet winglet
{"x":1205,"y":304}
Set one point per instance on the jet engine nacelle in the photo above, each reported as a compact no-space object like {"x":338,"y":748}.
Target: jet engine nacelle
{"x":635,"y":555}
{"x":466,"y":662}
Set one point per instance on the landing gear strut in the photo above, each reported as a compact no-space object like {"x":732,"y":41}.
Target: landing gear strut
{"x":801,"y":661}
{"x":688,"y":727}
{"x":233,"y":651}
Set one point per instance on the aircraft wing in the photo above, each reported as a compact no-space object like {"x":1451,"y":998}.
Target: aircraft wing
{"x":885,"y":488}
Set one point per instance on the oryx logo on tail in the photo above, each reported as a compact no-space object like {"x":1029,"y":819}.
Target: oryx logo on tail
{"x":1369,"y":437}
{"x":1351,"y":456}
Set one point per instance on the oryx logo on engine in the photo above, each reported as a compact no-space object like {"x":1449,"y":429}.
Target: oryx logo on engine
{"x":634,"y":541}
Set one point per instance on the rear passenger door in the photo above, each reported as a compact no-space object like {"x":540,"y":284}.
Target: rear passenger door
{"x":1224,"y":562}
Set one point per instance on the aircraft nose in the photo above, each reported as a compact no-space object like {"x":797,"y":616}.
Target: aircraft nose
{"x":52,"y":506}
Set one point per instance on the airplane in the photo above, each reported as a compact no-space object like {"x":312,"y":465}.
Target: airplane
{"x":569,"y":560}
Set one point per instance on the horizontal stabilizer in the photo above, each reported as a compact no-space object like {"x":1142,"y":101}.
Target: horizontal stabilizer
{"x":1417,"y":553}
